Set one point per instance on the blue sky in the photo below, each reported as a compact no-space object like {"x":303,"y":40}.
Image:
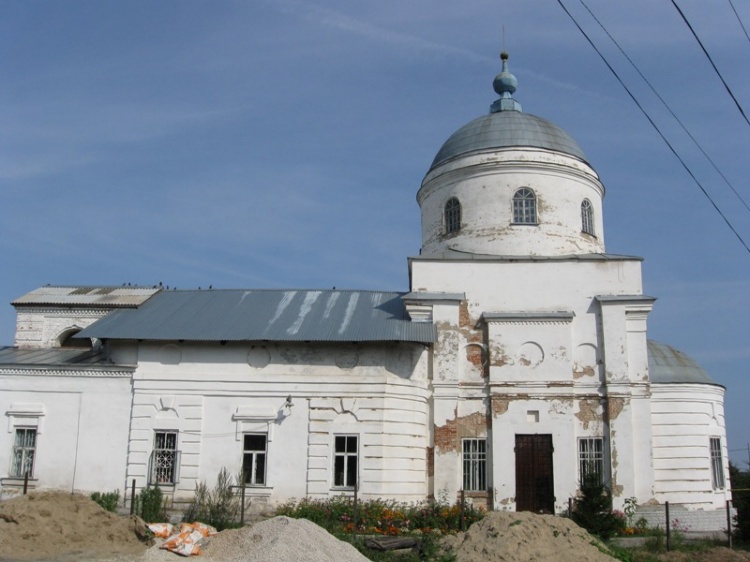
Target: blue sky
{"x":281,"y":143}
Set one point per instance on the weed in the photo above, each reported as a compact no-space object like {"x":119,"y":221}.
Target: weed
{"x":107,"y":500}
{"x":218,"y":507}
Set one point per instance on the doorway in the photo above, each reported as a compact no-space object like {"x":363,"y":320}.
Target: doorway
{"x":535,"y":489}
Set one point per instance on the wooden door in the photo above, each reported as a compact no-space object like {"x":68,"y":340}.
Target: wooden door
{"x":534,"y":481}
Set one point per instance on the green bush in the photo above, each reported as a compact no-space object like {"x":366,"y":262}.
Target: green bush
{"x":108,"y":500}
{"x":593,"y":509}
{"x":426,"y":521}
{"x":219,"y":508}
{"x":740,"y":480}
{"x":150,"y":505}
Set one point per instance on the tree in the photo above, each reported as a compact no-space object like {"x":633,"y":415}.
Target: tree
{"x":593,"y":509}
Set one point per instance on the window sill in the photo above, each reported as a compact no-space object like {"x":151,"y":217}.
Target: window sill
{"x":476,"y":494}
{"x":17,"y":481}
{"x":252,"y":490}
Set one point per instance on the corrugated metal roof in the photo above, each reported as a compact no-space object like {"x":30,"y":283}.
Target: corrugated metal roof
{"x":50,"y":357}
{"x":108,"y":297}
{"x":265,"y":315}
{"x":669,"y":365}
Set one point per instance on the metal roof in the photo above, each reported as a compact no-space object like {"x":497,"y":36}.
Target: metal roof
{"x":265,"y":315}
{"x":99,"y":296}
{"x":507,"y":129}
{"x":669,"y":365}
{"x":50,"y":357}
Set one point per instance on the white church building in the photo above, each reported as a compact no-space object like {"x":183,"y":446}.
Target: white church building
{"x":517,"y":362}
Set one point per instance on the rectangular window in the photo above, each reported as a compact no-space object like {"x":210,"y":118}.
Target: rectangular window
{"x":164,"y":458}
{"x":717,"y":464}
{"x":591,"y":457}
{"x":24,"y":451}
{"x":345,"y":461}
{"x":475,"y":465}
{"x":254,"y":459}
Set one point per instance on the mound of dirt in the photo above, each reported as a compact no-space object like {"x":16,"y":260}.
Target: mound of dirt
{"x":51,"y":524}
{"x":280,"y":539}
{"x":511,"y":536}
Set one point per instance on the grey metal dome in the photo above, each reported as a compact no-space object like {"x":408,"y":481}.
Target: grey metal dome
{"x":505,"y":129}
{"x":507,"y":126}
{"x":669,"y":365}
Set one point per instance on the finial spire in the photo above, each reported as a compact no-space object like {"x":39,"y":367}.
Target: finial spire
{"x":505,"y":84}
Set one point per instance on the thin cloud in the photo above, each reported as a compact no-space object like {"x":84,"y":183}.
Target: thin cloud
{"x":338,"y":20}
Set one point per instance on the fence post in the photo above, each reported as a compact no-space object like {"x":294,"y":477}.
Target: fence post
{"x":669,"y":542}
{"x":132,"y":497}
{"x":570,"y":508}
{"x":462,"y":510}
{"x":729,"y":522}
{"x":25,"y":482}
{"x":242,"y":505}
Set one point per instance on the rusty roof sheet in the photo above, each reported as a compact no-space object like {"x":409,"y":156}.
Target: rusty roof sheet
{"x":265,"y":315}
{"x":98,"y":296}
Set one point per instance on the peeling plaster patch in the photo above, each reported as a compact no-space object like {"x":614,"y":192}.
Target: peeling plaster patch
{"x":475,"y":356}
{"x":447,"y":436}
{"x":499,"y":405}
{"x":614,"y":407}
{"x":617,"y":490}
{"x":587,"y":412}
{"x":560,"y":406}
{"x":498,"y":357}
{"x":579,"y":371}
{"x":530,"y":354}
{"x":464,"y":319}
{"x":430,"y":456}
{"x":506,"y":501}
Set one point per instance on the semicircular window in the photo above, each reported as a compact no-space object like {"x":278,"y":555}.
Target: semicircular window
{"x":67,"y":340}
{"x":524,"y":207}
{"x":452,"y":215}
{"x":587,"y":217}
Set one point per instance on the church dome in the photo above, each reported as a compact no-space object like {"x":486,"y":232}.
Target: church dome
{"x":505,"y":129}
{"x":668,"y":365}
{"x":511,"y":184}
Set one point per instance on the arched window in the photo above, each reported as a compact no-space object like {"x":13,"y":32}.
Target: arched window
{"x":66,"y":340}
{"x":524,"y":206}
{"x":587,"y":217}
{"x":452,"y":216}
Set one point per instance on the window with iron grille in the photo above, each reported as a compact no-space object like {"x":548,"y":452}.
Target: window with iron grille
{"x":524,"y":207}
{"x":717,"y":464}
{"x":587,"y":217}
{"x":475,"y":465}
{"x":165,"y":458}
{"x":24,"y":451}
{"x":345,"y":458}
{"x":452,"y":216}
{"x":254,"y":458}
{"x":591,"y":458}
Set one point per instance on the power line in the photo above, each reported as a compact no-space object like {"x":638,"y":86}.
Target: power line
{"x":729,"y":90}
{"x":742,"y":25}
{"x":666,"y":105}
{"x":656,"y":128}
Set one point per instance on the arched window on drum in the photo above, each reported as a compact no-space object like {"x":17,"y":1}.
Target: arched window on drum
{"x":452,"y":216}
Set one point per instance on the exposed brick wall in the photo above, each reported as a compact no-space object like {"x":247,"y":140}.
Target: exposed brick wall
{"x":448,"y":436}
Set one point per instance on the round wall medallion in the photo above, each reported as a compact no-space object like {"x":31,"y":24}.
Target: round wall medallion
{"x":258,"y":357}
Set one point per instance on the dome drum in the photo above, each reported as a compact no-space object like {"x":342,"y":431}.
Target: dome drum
{"x":485,"y":187}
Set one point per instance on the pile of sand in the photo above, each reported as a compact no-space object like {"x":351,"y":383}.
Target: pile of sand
{"x":280,"y":539}
{"x":55,"y":524}
{"x":510,"y":536}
